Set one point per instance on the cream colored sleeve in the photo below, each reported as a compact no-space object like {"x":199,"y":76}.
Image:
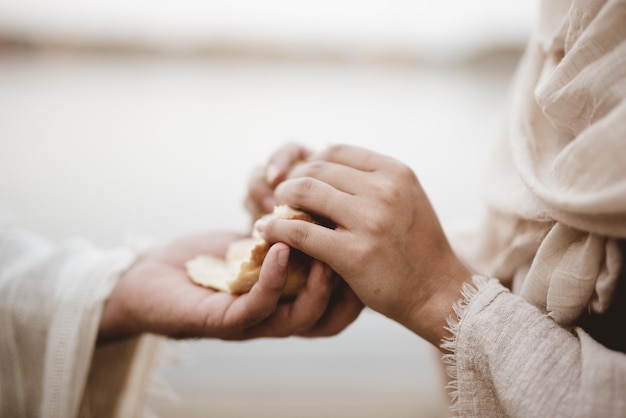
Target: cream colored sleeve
{"x":509,"y":359}
{"x":51,"y":300}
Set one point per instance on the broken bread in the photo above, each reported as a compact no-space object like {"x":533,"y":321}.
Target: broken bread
{"x":239,"y":270}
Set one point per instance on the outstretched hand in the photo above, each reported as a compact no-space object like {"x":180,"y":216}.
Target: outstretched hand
{"x":155,"y":296}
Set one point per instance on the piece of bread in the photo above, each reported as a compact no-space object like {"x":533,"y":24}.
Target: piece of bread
{"x":239,"y":270}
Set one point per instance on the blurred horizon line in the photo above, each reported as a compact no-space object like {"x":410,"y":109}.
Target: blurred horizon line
{"x":504,"y":53}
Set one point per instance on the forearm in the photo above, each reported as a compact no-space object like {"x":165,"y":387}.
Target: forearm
{"x":520,"y":363}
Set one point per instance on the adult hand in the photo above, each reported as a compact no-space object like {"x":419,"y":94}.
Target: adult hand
{"x":388,"y":244}
{"x":260,"y":198}
{"x":155,"y":296}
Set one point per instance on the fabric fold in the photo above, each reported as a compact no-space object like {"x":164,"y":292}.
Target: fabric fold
{"x":556,"y":190}
{"x":51,"y":301}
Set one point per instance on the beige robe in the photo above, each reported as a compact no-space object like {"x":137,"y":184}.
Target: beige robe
{"x":51,"y":300}
{"x":554,"y":234}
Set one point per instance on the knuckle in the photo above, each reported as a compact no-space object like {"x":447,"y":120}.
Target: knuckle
{"x":308,"y":169}
{"x":314,"y":168}
{"x":300,"y":233}
{"x":378,"y":220}
{"x":302,"y":187}
{"x":402,"y":172}
{"x":333,"y":151}
{"x":387,"y":191}
{"x":289,"y":154}
{"x":378,"y":225}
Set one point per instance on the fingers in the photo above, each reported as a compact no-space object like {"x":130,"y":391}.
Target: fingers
{"x":352,"y":156}
{"x":262,"y":300}
{"x":318,"y":197}
{"x":260,"y":199}
{"x":304,"y":312}
{"x":311,"y":302}
{"x":321,"y":308}
{"x":342,"y":310}
{"x":282,"y":161}
{"x":341,"y":177}
{"x":317,"y":241}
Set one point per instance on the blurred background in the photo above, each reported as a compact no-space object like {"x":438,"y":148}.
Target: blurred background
{"x":144,"y":118}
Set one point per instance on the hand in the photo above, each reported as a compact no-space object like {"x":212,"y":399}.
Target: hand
{"x":155,"y":296}
{"x":388,"y":244}
{"x":260,"y":199}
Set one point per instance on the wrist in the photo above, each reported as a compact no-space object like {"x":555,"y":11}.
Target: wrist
{"x":430,"y":320}
{"x":112,"y":318}
{"x":116,"y":321}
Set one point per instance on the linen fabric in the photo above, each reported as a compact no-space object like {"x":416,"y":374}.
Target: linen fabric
{"x":510,"y":360}
{"x":554,"y":231}
{"x":556,"y":190}
{"x":51,"y":301}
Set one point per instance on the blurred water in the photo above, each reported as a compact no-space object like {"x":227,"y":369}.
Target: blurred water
{"x":106,"y":146}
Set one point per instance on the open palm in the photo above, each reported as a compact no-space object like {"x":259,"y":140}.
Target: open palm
{"x":155,"y":295}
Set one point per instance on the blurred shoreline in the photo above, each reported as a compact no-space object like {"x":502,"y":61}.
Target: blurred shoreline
{"x":492,"y":57}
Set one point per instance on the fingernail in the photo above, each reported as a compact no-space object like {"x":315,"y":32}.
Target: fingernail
{"x":271,"y":173}
{"x":283,"y":257}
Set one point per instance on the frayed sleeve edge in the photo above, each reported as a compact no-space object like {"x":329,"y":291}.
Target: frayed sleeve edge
{"x":469,"y":290}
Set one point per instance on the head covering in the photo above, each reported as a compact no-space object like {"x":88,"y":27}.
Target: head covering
{"x":556,"y":190}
